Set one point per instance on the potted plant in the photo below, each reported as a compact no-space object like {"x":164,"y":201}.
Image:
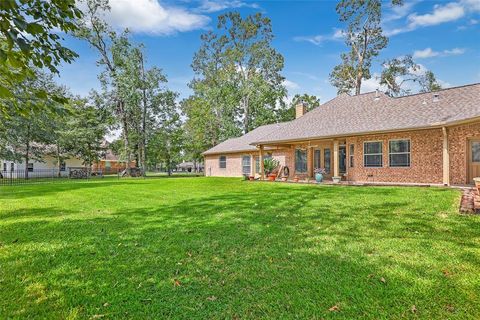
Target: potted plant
{"x":296,"y":179}
{"x":251,"y":178}
{"x":477,"y":183}
{"x":319,"y":173}
{"x":269,"y":166}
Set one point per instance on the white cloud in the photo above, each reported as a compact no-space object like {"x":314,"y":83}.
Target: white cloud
{"x":214,"y":6}
{"x":398,"y":12}
{"x":429,"y":53}
{"x":441,"y":13}
{"x":372,"y":84}
{"x":336,"y":35}
{"x":149,"y":16}
{"x":425,"y":53}
{"x":454,"y":52}
{"x":471,"y":5}
{"x":290,"y":85}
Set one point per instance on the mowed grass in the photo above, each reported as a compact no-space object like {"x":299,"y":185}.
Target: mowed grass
{"x":213,"y":248}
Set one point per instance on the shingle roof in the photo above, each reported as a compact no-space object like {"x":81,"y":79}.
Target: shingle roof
{"x":349,"y":115}
{"x":244,"y":143}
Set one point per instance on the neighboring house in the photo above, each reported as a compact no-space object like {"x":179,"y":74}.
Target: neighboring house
{"x":189,"y":166}
{"x":430,"y":138}
{"x":111,"y":163}
{"x":47,"y":167}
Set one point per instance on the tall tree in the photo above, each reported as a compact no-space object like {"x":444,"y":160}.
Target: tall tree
{"x":364,"y":38}
{"x":27,"y":134}
{"x":167,"y":140}
{"x":84,"y":130}
{"x":238,"y":73}
{"x":397,"y":73}
{"x":113,"y":50}
{"x":200,"y":127}
{"x":28,"y":38}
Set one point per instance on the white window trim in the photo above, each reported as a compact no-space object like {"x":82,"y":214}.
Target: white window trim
{"x":372,"y":154}
{"x":409,"y":153}
{"x":220,"y":167}
{"x":250,"y":157}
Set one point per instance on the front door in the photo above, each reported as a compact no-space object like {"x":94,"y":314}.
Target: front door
{"x":473,"y":160}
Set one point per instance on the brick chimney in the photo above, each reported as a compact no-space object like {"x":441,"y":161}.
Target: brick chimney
{"x":300,"y":109}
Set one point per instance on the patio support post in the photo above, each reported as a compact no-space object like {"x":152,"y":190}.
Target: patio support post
{"x":262,"y":169}
{"x":446,"y":158}
{"x":310,"y":162}
{"x":335,"y":158}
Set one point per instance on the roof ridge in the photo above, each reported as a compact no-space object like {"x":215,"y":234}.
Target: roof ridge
{"x":443,"y":89}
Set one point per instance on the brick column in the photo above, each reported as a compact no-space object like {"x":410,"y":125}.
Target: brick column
{"x":335,"y":158}
{"x":262,"y":169}
{"x":310,"y":162}
{"x":446,"y":158}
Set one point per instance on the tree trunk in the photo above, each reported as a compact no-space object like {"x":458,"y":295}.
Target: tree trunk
{"x":358,"y":84}
{"x":144,"y":122}
{"x":246,"y":110}
{"x":125,"y":137}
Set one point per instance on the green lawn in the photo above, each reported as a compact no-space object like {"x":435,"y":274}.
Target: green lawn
{"x":213,"y":248}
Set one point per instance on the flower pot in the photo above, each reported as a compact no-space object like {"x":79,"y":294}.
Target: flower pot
{"x":272,"y":177}
{"x":318,"y":177}
{"x":284,"y":179}
{"x":251,"y":178}
{"x":336,"y":179}
{"x":296,"y":179}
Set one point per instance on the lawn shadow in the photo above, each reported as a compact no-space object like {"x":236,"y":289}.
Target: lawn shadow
{"x":268,"y":252}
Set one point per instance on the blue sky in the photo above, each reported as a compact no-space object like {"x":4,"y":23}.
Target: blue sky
{"x":443,"y":36}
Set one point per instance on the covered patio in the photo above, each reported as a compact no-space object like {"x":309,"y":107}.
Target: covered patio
{"x":302,"y":158}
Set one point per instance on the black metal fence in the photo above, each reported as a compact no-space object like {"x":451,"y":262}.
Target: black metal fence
{"x":25,"y":176}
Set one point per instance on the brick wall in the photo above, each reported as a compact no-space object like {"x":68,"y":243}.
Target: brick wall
{"x":234,"y":162}
{"x":458,"y":139}
{"x":425,"y":158}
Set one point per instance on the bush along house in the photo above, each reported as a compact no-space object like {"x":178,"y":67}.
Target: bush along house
{"x":428,"y":138}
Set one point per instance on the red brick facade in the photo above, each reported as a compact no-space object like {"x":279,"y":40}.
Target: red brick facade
{"x":426,"y":157}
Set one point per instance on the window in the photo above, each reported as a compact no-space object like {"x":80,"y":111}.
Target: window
{"x":399,"y":153}
{"x":5,"y":167}
{"x":326,"y":158}
{"x":300,"y":161}
{"x":475,"y":151}
{"x":63,"y":166}
{"x":222,"y":162}
{"x":12,"y":166}
{"x":246,"y":167}
{"x":257,"y":164}
{"x":351,"y":153}
{"x":30,"y":167}
{"x":317,"y":163}
{"x":373,"y":154}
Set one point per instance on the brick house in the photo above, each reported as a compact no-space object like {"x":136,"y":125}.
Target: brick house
{"x":427,"y":138}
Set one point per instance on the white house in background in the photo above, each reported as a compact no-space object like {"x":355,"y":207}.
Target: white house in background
{"x":45,"y":168}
